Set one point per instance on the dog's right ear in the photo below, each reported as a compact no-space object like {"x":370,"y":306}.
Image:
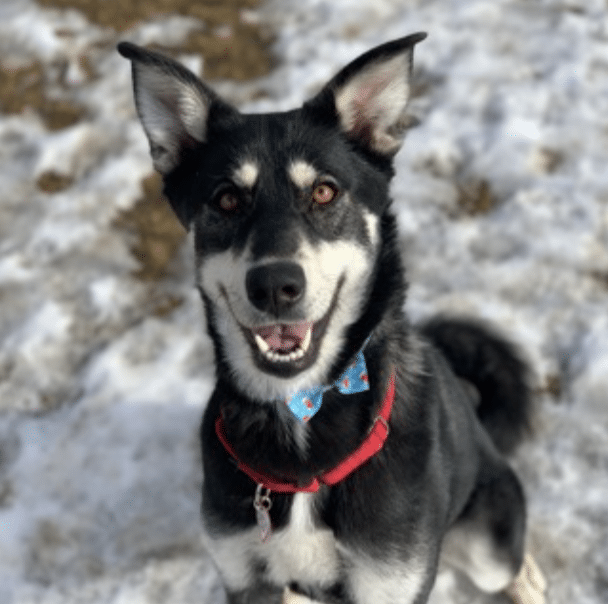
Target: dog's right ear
{"x":172,"y":103}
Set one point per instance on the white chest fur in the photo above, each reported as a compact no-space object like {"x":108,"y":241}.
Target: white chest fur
{"x":300,"y":552}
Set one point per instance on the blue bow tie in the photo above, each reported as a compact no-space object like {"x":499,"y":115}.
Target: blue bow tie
{"x":305,"y":403}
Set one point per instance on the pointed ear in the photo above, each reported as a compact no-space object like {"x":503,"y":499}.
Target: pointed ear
{"x":172,"y":103}
{"x":369,"y":96}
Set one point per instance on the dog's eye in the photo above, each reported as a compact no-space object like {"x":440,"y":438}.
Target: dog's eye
{"x":324,"y":193}
{"x":228,"y":202}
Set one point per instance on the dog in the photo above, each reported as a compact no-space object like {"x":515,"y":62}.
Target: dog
{"x":347,"y":454}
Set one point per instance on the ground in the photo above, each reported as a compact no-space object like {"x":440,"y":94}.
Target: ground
{"x":502,"y":200}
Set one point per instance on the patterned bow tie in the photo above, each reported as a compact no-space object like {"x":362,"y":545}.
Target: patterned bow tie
{"x":305,"y":403}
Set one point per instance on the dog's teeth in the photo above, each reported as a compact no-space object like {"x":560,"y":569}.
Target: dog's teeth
{"x":306,"y":341}
{"x":264,"y":348}
{"x":279,"y":357}
{"x":276,"y":357}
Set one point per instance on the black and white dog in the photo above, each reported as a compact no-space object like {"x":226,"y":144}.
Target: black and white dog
{"x":346,"y":453}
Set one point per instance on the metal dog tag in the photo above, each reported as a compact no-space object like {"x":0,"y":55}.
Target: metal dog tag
{"x":262,"y":504}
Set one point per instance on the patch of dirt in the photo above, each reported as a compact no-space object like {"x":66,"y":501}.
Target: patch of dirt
{"x":237,"y":51}
{"x":545,"y":161}
{"x":121,"y":15}
{"x":55,"y":553}
{"x":601,"y":277}
{"x":157,"y":234}
{"x":553,"y":386}
{"x":26,"y":87}
{"x":475,"y":197}
{"x":53,"y":182}
{"x":233,"y":44}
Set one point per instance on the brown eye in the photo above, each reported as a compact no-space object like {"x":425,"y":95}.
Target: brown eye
{"x":228,"y":202}
{"x":324,"y":193}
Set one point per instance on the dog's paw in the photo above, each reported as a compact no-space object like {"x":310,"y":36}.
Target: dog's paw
{"x":289,"y":597}
{"x":529,"y":586}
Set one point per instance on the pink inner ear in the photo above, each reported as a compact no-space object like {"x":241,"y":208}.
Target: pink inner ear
{"x":370,"y":89}
{"x":365,"y":108}
{"x":371,"y":103}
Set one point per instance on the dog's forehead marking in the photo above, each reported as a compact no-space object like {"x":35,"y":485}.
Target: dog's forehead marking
{"x":246,"y":174}
{"x":302,"y":173}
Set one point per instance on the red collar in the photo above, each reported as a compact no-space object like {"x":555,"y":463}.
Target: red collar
{"x":369,"y":447}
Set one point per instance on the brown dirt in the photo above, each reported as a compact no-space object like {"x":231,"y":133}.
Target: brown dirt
{"x":231,"y":45}
{"x":25,"y":87}
{"x":53,"y":182}
{"x":156,"y":232}
{"x":475,"y":197}
{"x":553,"y":386}
{"x":601,"y":276}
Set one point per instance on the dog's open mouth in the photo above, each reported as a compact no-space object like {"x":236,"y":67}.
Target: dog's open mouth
{"x":284,"y":343}
{"x":286,"y":348}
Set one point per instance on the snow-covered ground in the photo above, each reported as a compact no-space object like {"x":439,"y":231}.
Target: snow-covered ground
{"x":100,"y":397}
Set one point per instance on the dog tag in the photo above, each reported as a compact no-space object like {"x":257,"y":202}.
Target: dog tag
{"x":262,"y":504}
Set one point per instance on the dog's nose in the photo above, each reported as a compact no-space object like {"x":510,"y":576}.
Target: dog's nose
{"x":275,"y":288}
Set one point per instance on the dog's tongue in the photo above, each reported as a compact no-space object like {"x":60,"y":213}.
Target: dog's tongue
{"x":284,"y":338}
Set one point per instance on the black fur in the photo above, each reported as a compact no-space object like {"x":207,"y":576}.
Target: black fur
{"x":440,"y":474}
{"x":479,"y":355}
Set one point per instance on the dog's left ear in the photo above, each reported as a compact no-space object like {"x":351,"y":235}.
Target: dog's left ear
{"x":369,"y":96}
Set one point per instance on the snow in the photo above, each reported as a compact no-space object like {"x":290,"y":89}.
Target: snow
{"x":100,"y":399}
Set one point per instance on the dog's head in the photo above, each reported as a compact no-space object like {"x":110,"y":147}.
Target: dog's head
{"x":285,"y":208}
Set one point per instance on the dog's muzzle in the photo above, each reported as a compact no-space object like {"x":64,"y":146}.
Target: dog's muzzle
{"x":288,"y":342}
{"x":276,"y":289}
